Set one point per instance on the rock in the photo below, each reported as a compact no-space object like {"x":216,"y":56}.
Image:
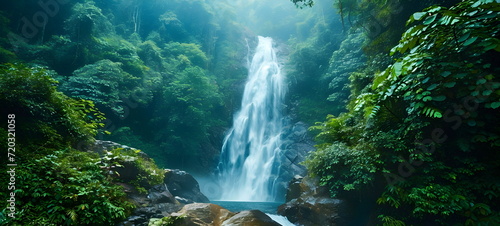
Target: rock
{"x":135,"y":220}
{"x":183,"y":200}
{"x":313,"y":211}
{"x":293,"y":190}
{"x":100,"y":146}
{"x":310,"y":204}
{"x":184,"y":185}
{"x":168,"y":208}
{"x":203,"y":214}
{"x":296,"y":143}
{"x":129,"y":169}
{"x":250,"y":218}
{"x":161,"y":194}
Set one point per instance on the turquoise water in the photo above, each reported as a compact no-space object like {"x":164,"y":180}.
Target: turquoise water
{"x":266,"y":207}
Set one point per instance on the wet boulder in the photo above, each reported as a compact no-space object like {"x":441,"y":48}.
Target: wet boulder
{"x":160,"y":194}
{"x":202,"y":214}
{"x":250,"y":218}
{"x":183,"y":185}
{"x":311,"y":204}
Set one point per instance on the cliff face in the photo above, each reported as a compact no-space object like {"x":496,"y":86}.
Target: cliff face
{"x":296,"y":144}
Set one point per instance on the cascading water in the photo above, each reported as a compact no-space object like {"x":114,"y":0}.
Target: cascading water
{"x":248,"y":164}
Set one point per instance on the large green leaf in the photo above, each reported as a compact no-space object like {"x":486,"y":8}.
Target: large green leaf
{"x":418,"y":15}
{"x":433,"y":86}
{"x":470,"y":41}
{"x":449,"y":84}
{"x":430,"y":19}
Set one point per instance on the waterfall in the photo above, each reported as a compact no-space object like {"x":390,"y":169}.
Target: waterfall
{"x":248,"y":164}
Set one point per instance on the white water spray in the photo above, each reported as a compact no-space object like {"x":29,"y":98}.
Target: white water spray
{"x":248,"y":165}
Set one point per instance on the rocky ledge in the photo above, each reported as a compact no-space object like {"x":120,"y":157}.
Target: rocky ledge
{"x":310,"y":204}
{"x":206,"y":214}
{"x":176,"y":200}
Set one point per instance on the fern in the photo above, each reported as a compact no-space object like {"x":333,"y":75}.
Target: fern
{"x":432,"y":112}
{"x":390,"y":221}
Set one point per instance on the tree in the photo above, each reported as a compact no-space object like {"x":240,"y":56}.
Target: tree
{"x":104,"y":82}
{"x":49,"y":118}
{"x":423,"y":123}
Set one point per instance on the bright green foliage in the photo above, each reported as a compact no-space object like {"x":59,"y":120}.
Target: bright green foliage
{"x":439,"y":53}
{"x":165,"y":221}
{"x":347,"y":59}
{"x":46,"y":117}
{"x":190,"y":99}
{"x":389,"y":221}
{"x":55,"y":184}
{"x":151,"y":54}
{"x":342,"y":168}
{"x":187,"y":53}
{"x":102,"y":82}
{"x":117,"y":49}
{"x":148,"y":172}
{"x":313,"y":78}
{"x":186,"y":99}
{"x":147,"y":65}
{"x":68,"y":188}
{"x":425,"y":123}
{"x":87,"y":21}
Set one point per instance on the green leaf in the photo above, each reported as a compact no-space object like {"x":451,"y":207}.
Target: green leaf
{"x":449,"y":84}
{"x":433,"y":86}
{"x":433,"y":9}
{"x":438,"y":114}
{"x":481,"y":81}
{"x":430,"y":19}
{"x":427,"y":98}
{"x":495,"y":105}
{"x":397,"y":68}
{"x":418,"y":15}
{"x":470,"y":41}
{"x":419,"y":105}
{"x":464,"y":37}
{"x":445,"y":73}
{"x":487,"y":92}
{"x":439,"y":98}
{"x":431,"y":112}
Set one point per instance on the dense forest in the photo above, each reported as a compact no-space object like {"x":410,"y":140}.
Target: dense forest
{"x":401,"y":96}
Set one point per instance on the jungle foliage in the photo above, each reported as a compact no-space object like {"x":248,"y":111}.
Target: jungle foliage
{"x":411,"y":90}
{"x":55,"y":183}
{"x":165,"y":73}
{"x":421,"y":135}
{"x":155,"y":71}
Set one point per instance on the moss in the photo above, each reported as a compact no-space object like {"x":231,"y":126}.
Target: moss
{"x":172,"y":220}
{"x":149,"y":173}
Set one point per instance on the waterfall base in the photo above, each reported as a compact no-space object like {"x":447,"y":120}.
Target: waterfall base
{"x":270,"y":208}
